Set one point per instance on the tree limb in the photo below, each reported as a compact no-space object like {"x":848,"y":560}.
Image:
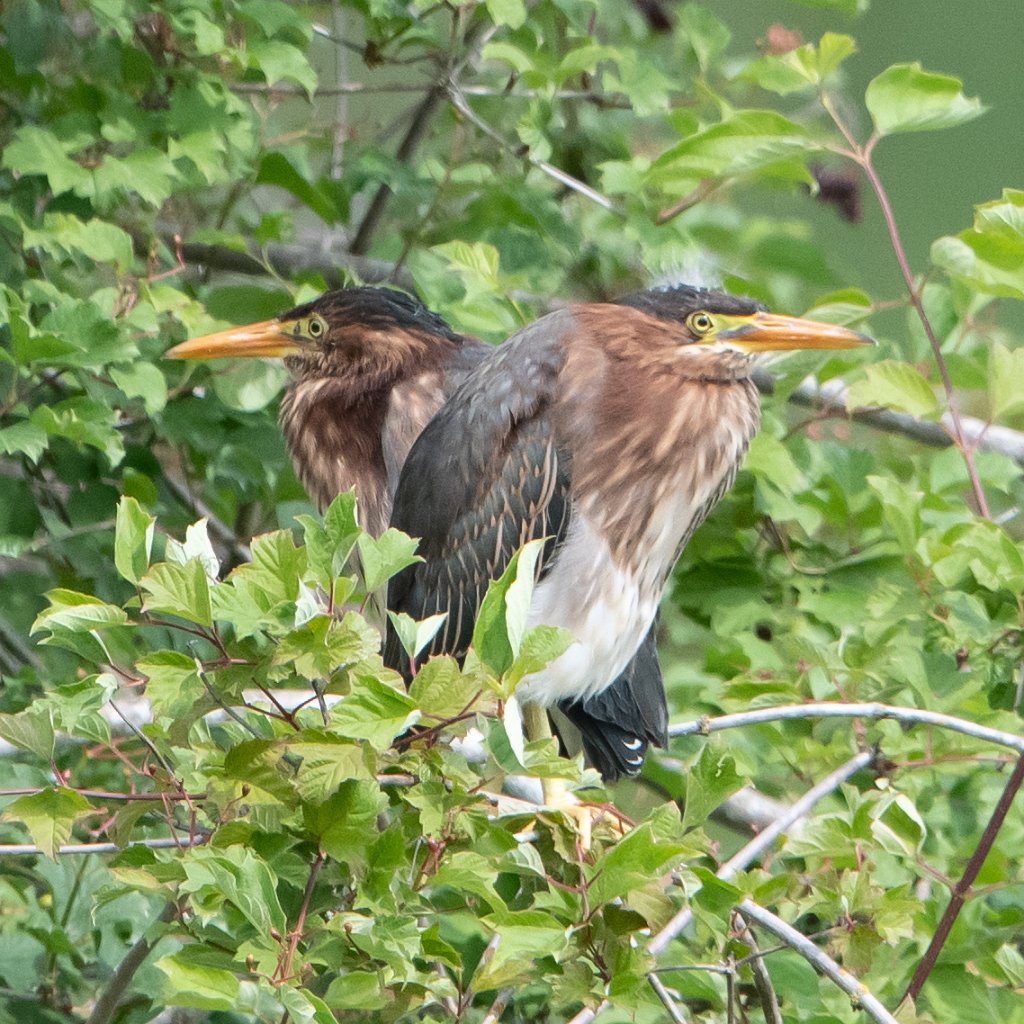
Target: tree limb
{"x":875,"y":712}
{"x":859,"y":994}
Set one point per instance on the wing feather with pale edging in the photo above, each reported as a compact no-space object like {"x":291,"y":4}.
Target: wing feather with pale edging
{"x":484,"y":477}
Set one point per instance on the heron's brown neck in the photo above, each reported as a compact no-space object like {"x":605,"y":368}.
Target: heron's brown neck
{"x":336,"y":412}
{"x":675,"y":425}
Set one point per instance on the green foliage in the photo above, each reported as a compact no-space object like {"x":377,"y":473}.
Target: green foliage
{"x":343,"y":850}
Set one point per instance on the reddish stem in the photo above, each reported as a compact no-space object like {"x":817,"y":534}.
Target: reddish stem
{"x":861,"y":155}
{"x":963,"y":887}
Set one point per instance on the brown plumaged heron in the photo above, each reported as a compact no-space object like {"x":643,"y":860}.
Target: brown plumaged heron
{"x":369,"y":368}
{"x":610,"y":431}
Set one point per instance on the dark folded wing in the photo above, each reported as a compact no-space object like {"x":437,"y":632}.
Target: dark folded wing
{"x":483,"y":478}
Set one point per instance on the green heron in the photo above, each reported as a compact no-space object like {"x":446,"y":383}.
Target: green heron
{"x":369,"y":368}
{"x":610,"y":431}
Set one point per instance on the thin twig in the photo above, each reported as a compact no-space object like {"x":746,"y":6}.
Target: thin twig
{"x":284,"y":971}
{"x":762,"y":980}
{"x":615,"y":101}
{"x":102,"y":794}
{"x":422,"y":117}
{"x":458,"y":101}
{"x":666,"y":997}
{"x":786,"y":712}
{"x":859,"y":994}
{"x":862,"y":156}
{"x":963,"y":887}
{"x":501,"y":1000}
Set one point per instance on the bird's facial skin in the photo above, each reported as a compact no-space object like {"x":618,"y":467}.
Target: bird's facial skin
{"x":768,"y":332}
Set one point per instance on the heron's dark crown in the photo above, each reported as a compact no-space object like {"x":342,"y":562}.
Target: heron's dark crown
{"x":374,"y":309}
{"x":676,"y":302}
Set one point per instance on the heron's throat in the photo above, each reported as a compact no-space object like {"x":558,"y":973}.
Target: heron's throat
{"x":335,"y":445}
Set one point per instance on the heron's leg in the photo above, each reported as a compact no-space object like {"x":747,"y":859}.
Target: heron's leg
{"x":538,"y":727}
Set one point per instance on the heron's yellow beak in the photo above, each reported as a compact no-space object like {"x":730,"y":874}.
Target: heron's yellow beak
{"x":770,"y":332}
{"x":266,"y":338}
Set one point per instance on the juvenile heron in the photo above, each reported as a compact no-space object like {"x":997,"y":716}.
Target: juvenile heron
{"x":611,"y":431}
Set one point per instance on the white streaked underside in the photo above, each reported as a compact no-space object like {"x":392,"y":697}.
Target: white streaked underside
{"x":606,"y":607}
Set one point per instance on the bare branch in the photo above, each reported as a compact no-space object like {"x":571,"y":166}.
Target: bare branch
{"x":666,"y":997}
{"x":424,"y":113}
{"x":859,"y":994}
{"x":458,"y":101}
{"x":761,"y":842}
{"x":762,"y":980}
{"x":875,"y":712}
{"x":329,"y":259}
{"x":963,"y":887}
{"x":169,"y":843}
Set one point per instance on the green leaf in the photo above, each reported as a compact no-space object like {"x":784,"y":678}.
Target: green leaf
{"x":133,"y":539}
{"x":64,"y":234}
{"x":1006,"y":381}
{"x":31,"y":730}
{"x":745,"y":141}
{"x":345,"y":823}
{"x":901,"y":506}
{"x":49,"y":816}
{"x":279,"y":60}
{"x":894,"y":385}
{"x":200,"y":987}
{"x":413,"y":635}
{"x":83,"y":421}
{"x":381,"y":557}
{"x":540,"y":646}
{"x":322,"y":645}
{"x":507,"y":12}
{"x":35,"y":150}
{"x":710,"y":781}
{"x":630,"y":864}
{"x":356,"y":990}
{"x":144,"y":381}
{"x":23,"y":438}
{"x":441,"y":690}
{"x":374,"y":712}
{"x":989,"y":256}
{"x":501,"y":622}
{"x":905,"y":98}
{"x":238,"y":875}
{"x":275,"y":169}
{"x":327,"y":762}
{"x":197,"y":546}
{"x":898,"y":827}
{"x":706,"y":34}
{"x":72,"y":612}
{"x":173,"y":685}
{"x":249,"y":385}
{"x":176,"y":589}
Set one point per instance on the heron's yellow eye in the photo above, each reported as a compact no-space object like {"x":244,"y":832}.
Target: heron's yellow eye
{"x":316,"y":328}
{"x":700,"y":323}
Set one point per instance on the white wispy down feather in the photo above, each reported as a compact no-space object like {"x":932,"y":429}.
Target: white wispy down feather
{"x":692,"y":266}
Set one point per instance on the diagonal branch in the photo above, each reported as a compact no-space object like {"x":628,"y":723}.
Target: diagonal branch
{"x":859,"y":994}
{"x":763,"y":840}
{"x":963,"y":887}
{"x":458,"y":101}
{"x":103,"y":1010}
